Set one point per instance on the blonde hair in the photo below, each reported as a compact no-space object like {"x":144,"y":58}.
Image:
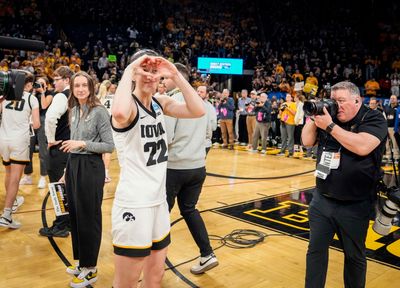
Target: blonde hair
{"x":103,"y":89}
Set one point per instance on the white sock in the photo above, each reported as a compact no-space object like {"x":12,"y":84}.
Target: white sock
{"x":7,"y":213}
{"x":106,"y":173}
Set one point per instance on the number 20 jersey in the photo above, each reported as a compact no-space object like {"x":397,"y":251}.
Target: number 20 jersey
{"x":143,"y":154}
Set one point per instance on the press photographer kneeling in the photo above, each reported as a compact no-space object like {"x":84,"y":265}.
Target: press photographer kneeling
{"x":350,"y":148}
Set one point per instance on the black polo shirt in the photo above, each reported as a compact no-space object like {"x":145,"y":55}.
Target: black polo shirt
{"x":356,"y":177}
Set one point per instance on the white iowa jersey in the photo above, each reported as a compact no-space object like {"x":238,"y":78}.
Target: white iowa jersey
{"x":143,"y":154}
{"x":107,"y":102}
{"x":16,"y":117}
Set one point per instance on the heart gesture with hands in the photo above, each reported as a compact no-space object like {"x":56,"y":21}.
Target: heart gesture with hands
{"x":153,"y":67}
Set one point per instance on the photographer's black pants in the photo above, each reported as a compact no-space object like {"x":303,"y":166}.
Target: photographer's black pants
{"x":349,"y":220}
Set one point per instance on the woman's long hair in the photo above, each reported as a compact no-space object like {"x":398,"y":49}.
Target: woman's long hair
{"x":92,"y":100}
{"x":103,"y":89}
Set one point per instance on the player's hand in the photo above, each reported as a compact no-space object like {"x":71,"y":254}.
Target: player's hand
{"x":145,"y":66}
{"x":165,"y":68}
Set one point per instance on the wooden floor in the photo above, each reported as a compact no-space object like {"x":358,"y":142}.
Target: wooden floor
{"x":28,"y":260}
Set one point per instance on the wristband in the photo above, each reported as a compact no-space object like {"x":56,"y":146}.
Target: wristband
{"x":329,"y":128}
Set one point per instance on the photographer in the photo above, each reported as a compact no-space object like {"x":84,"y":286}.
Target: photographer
{"x":44,"y":98}
{"x":349,"y":154}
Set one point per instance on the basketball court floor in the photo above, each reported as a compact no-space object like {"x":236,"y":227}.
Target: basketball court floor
{"x":255,"y":209}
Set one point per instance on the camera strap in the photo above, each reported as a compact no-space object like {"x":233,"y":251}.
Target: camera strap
{"x":29,"y":101}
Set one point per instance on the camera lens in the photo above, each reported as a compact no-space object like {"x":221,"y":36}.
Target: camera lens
{"x":37,"y":85}
{"x":309,"y":108}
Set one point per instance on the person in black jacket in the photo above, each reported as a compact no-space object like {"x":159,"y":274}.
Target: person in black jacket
{"x":263,"y":117}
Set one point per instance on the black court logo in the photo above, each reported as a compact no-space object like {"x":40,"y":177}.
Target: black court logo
{"x":128,"y":217}
{"x":288,"y":213}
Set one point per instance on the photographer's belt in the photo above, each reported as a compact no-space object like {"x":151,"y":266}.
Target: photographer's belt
{"x":329,"y":161}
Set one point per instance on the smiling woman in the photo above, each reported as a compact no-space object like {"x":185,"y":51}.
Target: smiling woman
{"x":141,"y":141}
{"x":84,"y":176}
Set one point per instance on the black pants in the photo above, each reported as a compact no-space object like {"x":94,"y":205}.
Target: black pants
{"x":84,"y":181}
{"x":349,"y":220}
{"x":39,"y":138}
{"x":186,"y":186}
{"x":57,"y":161}
{"x":243,"y":138}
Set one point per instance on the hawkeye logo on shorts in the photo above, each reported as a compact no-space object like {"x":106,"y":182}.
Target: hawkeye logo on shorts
{"x":288,"y":213}
{"x":128,"y":217}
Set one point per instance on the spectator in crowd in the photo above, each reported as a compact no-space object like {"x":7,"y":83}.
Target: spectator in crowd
{"x":102,"y":64}
{"x":299,"y":120}
{"x":263,"y":124}
{"x":251,"y":117}
{"x":287,"y":112}
{"x":371,"y":87}
{"x":243,"y":101}
{"x":390,"y":112}
{"x":374,"y":105}
{"x":394,"y":84}
{"x":161,"y":89}
{"x":226,"y":109}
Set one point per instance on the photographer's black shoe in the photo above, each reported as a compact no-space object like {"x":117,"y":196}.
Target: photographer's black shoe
{"x":54,"y":231}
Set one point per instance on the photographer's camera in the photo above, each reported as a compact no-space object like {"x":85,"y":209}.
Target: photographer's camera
{"x":12,"y":84}
{"x":37,"y":85}
{"x":386,"y":213}
{"x":312,"y":108}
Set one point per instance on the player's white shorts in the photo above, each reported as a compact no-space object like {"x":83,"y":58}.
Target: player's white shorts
{"x":137,"y":231}
{"x":15,"y":151}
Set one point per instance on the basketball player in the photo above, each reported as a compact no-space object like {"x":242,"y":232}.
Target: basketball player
{"x":14,"y":146}
{"x":106,"y":98}
{"x":140,"y":217}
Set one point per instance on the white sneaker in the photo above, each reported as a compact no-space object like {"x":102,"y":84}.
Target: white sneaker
{"x":85,"y":278}
{"x":17,"y":203}
{"x":9,"y":223}
{"x":74,"y":270}
{"x":42,"y":182}
{"x":26,"y":180}
{"x":263,"y":151}
{"x":205,"y":264}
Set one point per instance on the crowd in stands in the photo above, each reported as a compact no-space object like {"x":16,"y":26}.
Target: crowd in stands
{"x":281,"y":48}
{"x":300,"y":53}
